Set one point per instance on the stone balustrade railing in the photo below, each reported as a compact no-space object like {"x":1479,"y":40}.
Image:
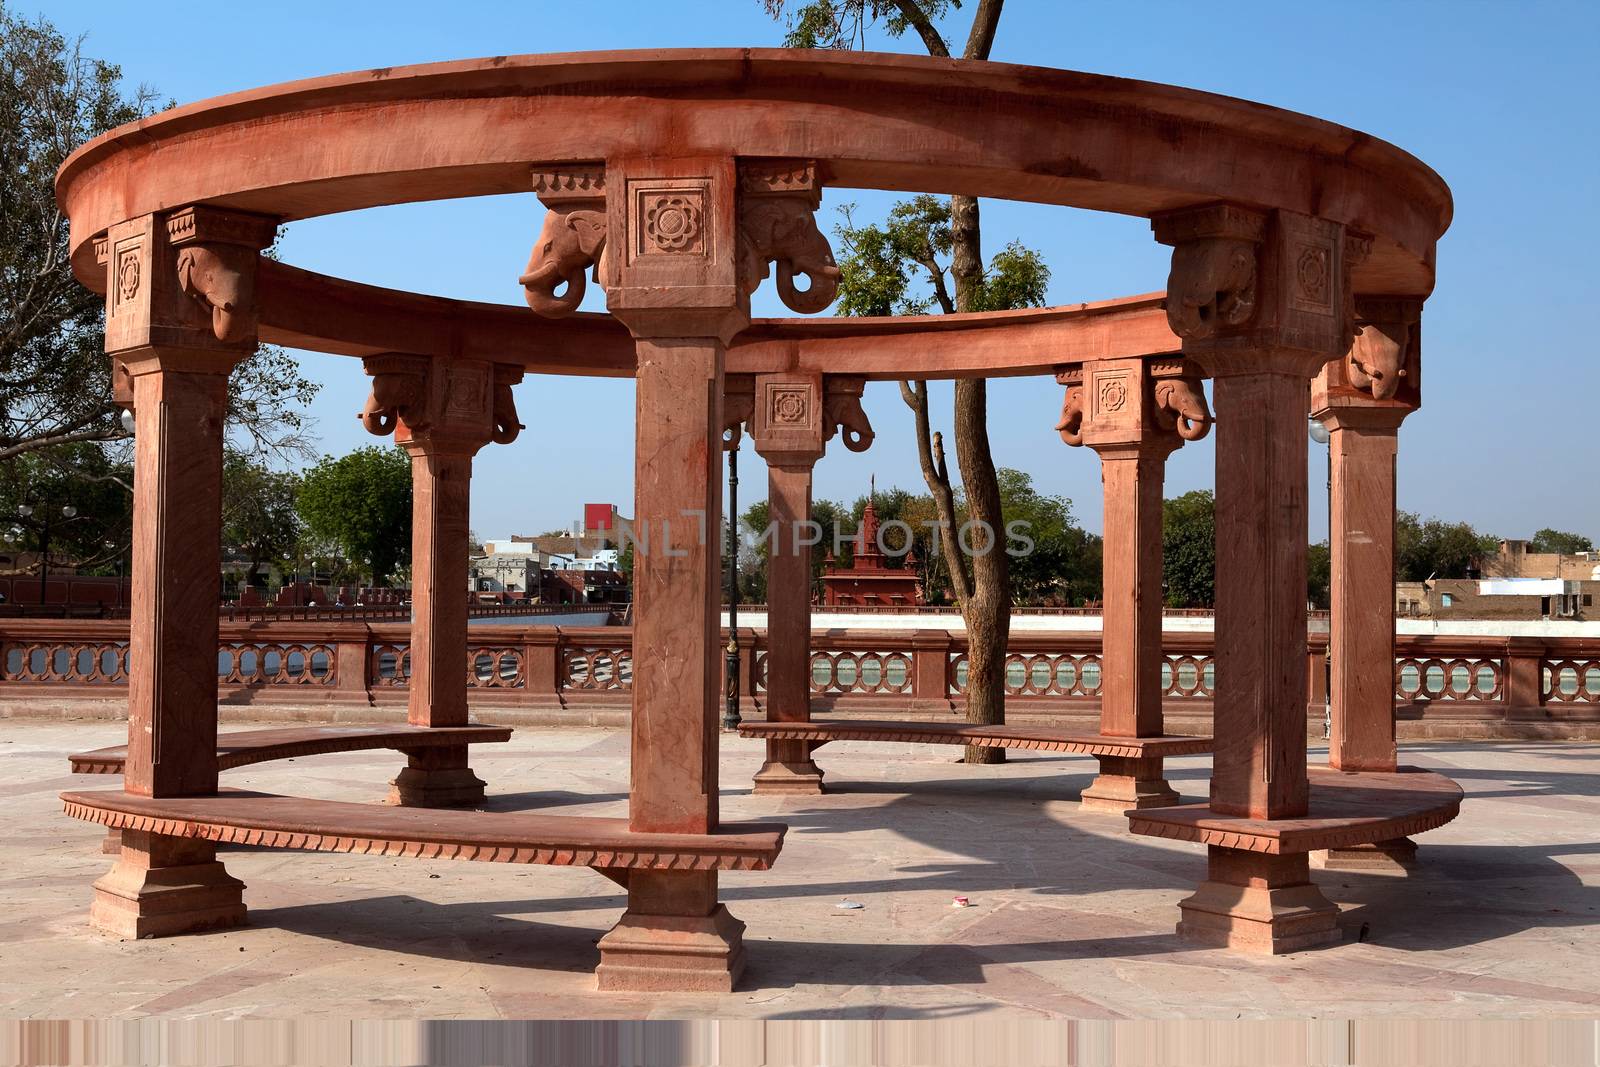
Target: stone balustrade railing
{"x":1462,"y":685}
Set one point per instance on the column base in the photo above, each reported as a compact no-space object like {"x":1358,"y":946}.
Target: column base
{"x":1125,"y":784}
{"x":1254,"y":902}
{"x":437,"y":778}
{"x":1398,"y":855}
{"x":672,"y":953}
{"x":162,"y":886}
{"x":788,"y":778}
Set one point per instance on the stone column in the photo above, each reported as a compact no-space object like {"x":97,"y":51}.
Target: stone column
{"x":441,"y":412}
{"x":1134,"y":413}
{"x":1362,"y":400}
{"x":1261,"y":302}
{"x":180,"y":313}
{"x":680,"y":245}
{"x":793,"y":415}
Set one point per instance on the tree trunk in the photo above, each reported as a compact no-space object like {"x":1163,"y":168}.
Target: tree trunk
{"x":987,"y":611}
{"x":986,"y":605}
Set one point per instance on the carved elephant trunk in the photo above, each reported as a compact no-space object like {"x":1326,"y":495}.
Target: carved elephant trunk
{"x":569,"y":242}
{"x":1377,"y":359}
{"x":1212,"y":284}
{"x":218,"y":280}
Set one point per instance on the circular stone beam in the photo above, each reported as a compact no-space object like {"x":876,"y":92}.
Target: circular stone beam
{"x":403,"y":134}
{"x":312,"y":311}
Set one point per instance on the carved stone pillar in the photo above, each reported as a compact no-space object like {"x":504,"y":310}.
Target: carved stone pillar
{"x":1261,"y":301}
{"x":685,"y":242}
{"x":792,"y":416}
{"x":441,"y":412}
{"x":1134,"y":413}
{"x":1362,"y":400}
{"x":180,"y":313}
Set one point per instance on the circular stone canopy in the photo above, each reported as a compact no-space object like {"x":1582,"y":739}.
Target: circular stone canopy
{"x":878,"y":121}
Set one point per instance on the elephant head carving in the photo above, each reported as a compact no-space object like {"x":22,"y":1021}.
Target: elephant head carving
{"x":570,"y":242}
{"x":1212,"y":284}
{"x":394,"y":397}
{"x":738,"y":408}
{"x":506,"y":426}
{"x":1070,"y":425}
{"x":222,"y":278}
{"x":1377,"y":358}
{"x":842,"y":413}
{"x":1180,"y":404}
{"x":784,"y":230}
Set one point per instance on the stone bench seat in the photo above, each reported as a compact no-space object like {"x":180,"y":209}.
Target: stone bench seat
{"x":268,"y":820}
{"x":1346,"y":809}
{"x":1036,"y":738}
{"x":245,"y":747}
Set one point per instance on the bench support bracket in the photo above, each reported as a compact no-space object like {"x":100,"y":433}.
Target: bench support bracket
{"x":163,"y":885}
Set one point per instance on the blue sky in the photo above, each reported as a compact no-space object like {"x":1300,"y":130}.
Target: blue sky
{"x":1499,"y":100}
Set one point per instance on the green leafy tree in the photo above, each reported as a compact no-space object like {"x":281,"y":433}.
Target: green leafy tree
{"x":1189,"y":549}
{"x":1432,"y":548}
{"x":1567,"y":544}
{"x":1054,"y":560}
{"x":1319,"y":574}
{"x":55,"y":381}
{"x":937,"y":243}
{"x":360,"y":503}
{"x":83,"y":477}
{"x":259,"y":516}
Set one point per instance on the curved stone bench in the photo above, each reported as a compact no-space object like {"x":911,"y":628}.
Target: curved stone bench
{"x":1037,"y":738}
{"x":261,"y":746}
{"x":1346,"y":808}
{"x":268,"y":820}
{"x":1258,"y":895}
{"x":1131,"y":774}
{"x":245,"y":747}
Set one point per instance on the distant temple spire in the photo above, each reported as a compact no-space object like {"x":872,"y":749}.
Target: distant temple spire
{"x":869,"y":580}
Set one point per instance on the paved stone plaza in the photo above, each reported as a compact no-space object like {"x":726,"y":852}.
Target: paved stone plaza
{"x":1071,"y":916}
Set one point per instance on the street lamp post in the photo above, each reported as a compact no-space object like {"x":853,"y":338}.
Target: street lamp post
{"x":111,"y":546}
{"x":68,"y":513}
{"x":730,"y":715}
{"x":1319,"y":434}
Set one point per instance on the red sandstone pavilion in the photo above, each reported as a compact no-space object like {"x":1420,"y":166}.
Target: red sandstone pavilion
{"x":1301,"y":255}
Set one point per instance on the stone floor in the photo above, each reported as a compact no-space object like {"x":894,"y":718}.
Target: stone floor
{"x":1071,"y":916}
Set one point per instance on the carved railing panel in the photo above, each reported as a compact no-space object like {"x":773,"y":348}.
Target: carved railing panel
{"x":76,"y":663}
{"x":496,"y":667}
{"x":1572,"y":681}
{"x":1459,"y":675}
{"x":389,"y":666}
{"x":1187,"y":676}
{"x":1460,"y":679}
{"x":835,"y":673}
{"x":263,"y":663}
{"x":597,"y":668}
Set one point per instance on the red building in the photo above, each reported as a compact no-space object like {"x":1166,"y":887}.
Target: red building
{"x":869,"y":580}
